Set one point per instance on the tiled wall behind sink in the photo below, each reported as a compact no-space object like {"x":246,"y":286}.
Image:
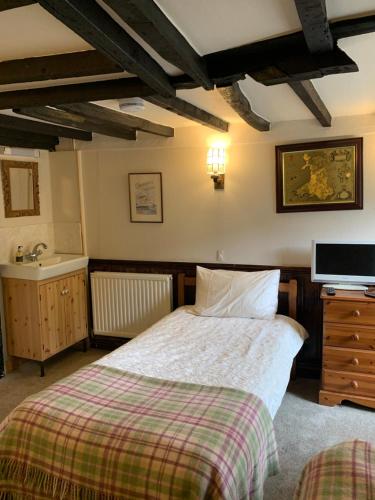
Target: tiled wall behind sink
{"x":28,"y":236}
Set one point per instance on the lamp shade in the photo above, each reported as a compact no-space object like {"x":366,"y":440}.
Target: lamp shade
{"x":216,"y":161}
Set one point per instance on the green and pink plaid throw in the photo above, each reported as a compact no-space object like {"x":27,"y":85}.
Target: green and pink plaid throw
{"x":103,"y":433}
{"x":343,"y":472}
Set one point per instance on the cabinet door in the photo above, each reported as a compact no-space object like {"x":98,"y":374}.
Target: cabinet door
{"x":22,"y":318}
{"x":75,"y":308}
{"x":52,"y":315}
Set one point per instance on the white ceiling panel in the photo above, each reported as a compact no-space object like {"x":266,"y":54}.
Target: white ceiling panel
{"x":211,"y":25}
{"x":31,"y":31}
{"x":352,"y":93}
{"x":275,"y":103}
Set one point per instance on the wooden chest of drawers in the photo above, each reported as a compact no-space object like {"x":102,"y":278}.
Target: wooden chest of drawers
{"x":348,"y":349}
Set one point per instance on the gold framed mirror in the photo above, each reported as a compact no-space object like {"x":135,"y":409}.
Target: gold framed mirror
{"x":20,"y":188}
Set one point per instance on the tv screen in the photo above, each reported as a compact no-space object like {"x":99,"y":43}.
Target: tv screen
{"x":348,"y":262}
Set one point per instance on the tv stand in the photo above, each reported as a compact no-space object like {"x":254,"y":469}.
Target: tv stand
{"x":346,"y":286}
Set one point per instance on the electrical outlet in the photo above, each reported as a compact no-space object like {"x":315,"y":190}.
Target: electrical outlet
{"x":219,"y":255}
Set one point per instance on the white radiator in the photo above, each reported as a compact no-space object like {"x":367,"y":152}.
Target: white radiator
{"x":125,"y":304}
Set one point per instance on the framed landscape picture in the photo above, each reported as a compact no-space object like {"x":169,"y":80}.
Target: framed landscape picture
{"x":146,"y":198}
{"x":319,"y":176}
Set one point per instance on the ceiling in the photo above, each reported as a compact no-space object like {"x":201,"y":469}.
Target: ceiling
{"x":209,"y":26}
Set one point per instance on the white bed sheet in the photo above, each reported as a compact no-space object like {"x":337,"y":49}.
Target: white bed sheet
{"x":253,"y":355}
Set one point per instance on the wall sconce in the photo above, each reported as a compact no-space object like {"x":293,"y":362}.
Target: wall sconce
{"x":216,"y":166}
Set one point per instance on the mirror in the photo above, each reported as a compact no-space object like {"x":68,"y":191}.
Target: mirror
{"x":20,"y":188}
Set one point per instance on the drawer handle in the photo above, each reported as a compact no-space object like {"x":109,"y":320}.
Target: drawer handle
{"x":355,"y":361}
{"x":354,"y":384}
{"x":355,"y":337}
{"x":356,"y":313}
{"x":65,"y":291}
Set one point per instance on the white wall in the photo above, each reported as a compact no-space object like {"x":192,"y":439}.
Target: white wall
{"x":242,"y":220}
{"x":28,"y":231}
{"x":66,"y":202}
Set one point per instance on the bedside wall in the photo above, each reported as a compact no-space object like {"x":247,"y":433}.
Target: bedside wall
{"x":241,"y":220}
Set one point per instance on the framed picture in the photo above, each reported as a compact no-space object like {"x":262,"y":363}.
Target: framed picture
{"x":146,"y":197}
{"x":319,"y":176}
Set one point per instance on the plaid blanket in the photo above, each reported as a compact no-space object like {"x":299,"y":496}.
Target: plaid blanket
{"x":104,"y":434}
{"x":345,"y":471}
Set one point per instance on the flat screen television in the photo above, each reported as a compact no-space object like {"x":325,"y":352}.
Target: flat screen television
{"x":343,"y":262}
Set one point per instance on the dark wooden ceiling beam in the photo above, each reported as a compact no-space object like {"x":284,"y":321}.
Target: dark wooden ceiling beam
{"x":72,"y":65}
{"x":276,"y":60}
{"x":13,"y":4}
{"x":187,"y":110}
{"x":236,"y":99}
{"x":310,"y":97}
{"x":91,"y":62}
{"x":75,"y":120}
{"x":287,"y":58}
{"x":356,"y":26}
{"x":111,"y":117}
{"x":149,"y":21}
{"x":80,"y":92}
{"x":319,"y":39}
{"x":15,"y":123}
{"x":313,"y":17}
{"x":93,"y":24}
{"x":27,"y":140}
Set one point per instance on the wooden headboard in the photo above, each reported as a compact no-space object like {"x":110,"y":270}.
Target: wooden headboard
{"x":289,"y":288}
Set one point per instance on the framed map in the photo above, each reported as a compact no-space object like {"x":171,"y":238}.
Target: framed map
{"x":145,"y":197}
{"x":319,"y":176}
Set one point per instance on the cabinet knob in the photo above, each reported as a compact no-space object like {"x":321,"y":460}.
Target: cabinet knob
{"x":354,"y":384}
{"x":355,"y":337}
{"x":356,"y":313}
{"x":355,"y":361}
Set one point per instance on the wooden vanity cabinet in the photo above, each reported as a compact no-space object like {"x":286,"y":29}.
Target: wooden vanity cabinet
{"x":45,"y":317}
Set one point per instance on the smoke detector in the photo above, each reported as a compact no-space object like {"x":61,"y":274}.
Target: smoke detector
{"x":131,"y":104}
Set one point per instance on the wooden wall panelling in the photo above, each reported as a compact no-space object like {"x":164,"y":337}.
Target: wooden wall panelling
{"x":309,"y":307}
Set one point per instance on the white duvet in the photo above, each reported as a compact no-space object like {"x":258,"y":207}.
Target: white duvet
{"x":249,"y":354}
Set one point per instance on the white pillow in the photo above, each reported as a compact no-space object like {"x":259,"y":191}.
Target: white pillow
{"x":224,"y":293}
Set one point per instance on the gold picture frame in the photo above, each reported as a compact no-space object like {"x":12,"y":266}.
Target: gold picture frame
{"x":316,"y":176}
{"x":11,"y":209}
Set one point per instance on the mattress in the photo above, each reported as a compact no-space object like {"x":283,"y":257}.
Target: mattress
{"x":247,"y":354}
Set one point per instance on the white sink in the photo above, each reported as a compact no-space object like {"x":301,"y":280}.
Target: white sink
{"x":44,"y":268}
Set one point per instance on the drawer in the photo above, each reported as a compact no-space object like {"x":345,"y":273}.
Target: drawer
{"x":349,"y":382}
{"x":349,"y":360}
{"x":353,"y":336}
{"x":356,"y":313}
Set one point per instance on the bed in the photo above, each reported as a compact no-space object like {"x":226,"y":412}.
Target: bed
{"x":182,"y":411}
{"x":341,"y":472}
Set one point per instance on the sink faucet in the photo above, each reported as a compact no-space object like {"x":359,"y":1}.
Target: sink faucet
{"x":35,"y":252}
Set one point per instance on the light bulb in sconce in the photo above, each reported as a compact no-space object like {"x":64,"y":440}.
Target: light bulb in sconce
{"x":216,"y":166}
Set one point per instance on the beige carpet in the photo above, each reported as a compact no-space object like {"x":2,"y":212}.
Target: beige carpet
{"x":19,"y":384}
{"x":303,"y":427}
